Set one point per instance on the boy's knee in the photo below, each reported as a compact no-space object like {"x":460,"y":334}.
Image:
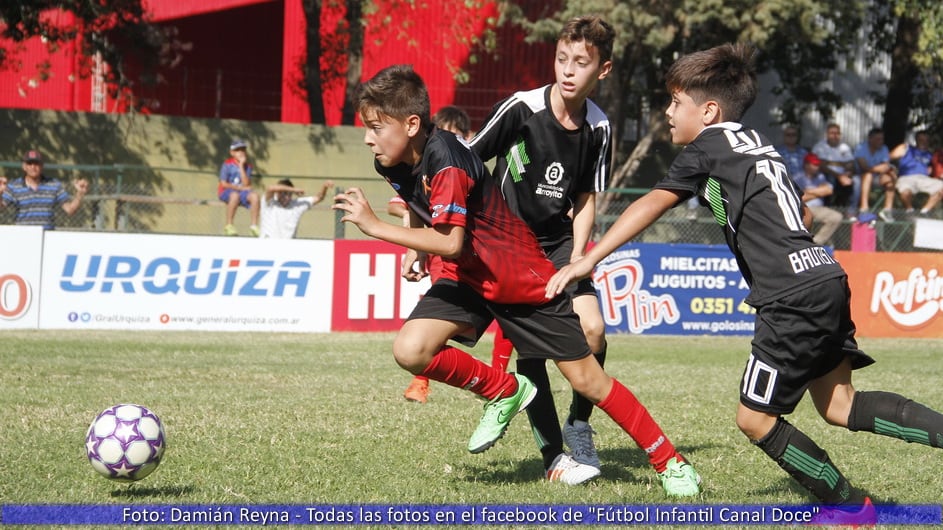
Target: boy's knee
{"x":595,"y":335}
{"x":754,"y":425}
{"x":409,"y":355}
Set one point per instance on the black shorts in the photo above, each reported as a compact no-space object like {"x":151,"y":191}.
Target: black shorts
{"x":560,"y":254}
{"x":549,"y":331}
{"x":798,"y":338}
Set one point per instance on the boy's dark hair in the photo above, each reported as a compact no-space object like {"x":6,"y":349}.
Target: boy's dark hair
{"x":286,"y":182}
{"x":592,"y":30}
{"x":725,"y":73}
{"x":875,"y":130}
{"x":396,"y":91}
{"x":451,"y":117}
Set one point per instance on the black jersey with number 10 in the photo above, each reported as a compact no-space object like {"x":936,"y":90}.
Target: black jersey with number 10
{"x":742,"y":179}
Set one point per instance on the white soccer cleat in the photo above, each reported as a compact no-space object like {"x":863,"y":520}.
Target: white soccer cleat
{"x":565,"y":469}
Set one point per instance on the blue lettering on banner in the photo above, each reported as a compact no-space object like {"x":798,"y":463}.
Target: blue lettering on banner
{"x":165,"y":275}
{"x":449,"y":514}
{"x":673,"y":289}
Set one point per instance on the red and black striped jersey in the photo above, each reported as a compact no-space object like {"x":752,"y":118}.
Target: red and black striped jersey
{"x":541,"y":166}
{"x":501,"y":258}
{"x":739,"y":175}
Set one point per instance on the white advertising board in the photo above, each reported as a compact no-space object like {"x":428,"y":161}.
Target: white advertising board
{"x":20,"y":266}
{"x":170,"y":282}
{"x":928,"y":233}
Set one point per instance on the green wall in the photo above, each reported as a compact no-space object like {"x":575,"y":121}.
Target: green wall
{"x":179,"y":158}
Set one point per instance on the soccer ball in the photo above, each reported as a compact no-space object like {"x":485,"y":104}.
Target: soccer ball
{"x":125,"y":442}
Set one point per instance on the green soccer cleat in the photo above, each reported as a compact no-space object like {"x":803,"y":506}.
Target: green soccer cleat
{"x":498,"y":414}
{"x":680,"y":479}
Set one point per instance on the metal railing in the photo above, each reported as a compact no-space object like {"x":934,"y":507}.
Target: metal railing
{"x":137,"y":198}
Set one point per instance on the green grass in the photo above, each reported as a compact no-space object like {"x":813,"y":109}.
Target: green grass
{"x":320,"y":418}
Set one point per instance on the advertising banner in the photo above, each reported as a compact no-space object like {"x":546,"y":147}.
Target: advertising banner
{"x":370,"y":293}
{"x":898,"y":295}
{"x":20,"y":267}
{"x":172,"y":282}
{"x":673,"y":289}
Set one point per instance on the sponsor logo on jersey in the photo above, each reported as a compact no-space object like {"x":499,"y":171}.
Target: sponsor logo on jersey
{"x":554,"y":173}
{"x":440,"y":209}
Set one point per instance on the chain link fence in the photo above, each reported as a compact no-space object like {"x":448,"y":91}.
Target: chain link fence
{"x":687,"y":224}
{"x":184,"y":201}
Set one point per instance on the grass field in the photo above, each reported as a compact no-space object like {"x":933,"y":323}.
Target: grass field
{"x":320,"y":418}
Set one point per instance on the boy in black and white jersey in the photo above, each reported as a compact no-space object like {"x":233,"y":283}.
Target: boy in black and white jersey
{"x":552,"y":147}
{"x":805,"y":338}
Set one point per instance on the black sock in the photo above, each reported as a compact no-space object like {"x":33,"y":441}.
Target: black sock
{"x":808,"y":464}
{"x":580,"y":407}
{"x":542,"y":412}
{"x":896,"y":416}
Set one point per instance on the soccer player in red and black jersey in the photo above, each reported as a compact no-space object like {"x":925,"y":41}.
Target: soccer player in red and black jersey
{"x":492,"y":266}
{"x":804,"y":337}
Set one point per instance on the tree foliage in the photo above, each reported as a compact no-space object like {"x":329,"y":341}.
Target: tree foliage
{"x":803,"y":42}
{"x":117,"y":32}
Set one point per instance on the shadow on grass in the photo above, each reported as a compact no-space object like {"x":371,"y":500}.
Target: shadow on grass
{"x":786,"y":484}
{"x":623,"y":464}
{"x":134,"y":491}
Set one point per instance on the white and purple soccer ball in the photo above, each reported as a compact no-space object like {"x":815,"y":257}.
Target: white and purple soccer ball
{"x":125,"y":442}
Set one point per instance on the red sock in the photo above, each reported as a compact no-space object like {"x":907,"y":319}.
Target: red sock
{"x":501,"y":353}
{"x":623,"y":407}
{"x":459,"y":369}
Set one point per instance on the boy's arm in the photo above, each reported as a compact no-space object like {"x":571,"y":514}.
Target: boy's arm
{"x":584,"y":217}
{"x":636,"y":218}
{"x":444,"y":240}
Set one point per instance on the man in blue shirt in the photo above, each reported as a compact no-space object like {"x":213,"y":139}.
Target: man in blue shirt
{"x":792,"y":151}
{"x":874,"y":165}
{"x":914,"y":170}
{"x":35,"y":196}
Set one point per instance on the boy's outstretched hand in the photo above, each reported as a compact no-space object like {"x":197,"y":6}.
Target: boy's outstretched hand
{"x":358,"y":210}
{"x":577,"y":270}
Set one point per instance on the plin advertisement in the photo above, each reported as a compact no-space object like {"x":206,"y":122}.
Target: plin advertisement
{"x":19,"y":276}
{"x":170,"y":282}
{"x":898,"y":295}
{"x":673,"y":289}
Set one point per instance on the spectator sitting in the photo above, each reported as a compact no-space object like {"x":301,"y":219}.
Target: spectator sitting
{"x":838,"y":165}
{"x":815,"y":188}
{"x":914,"y":168}
{"x":235,"y":188}
{"x":281,"y":210}
{"x":793,"y":154}
{"x":874,"y":163}
{"x":35,"y":196}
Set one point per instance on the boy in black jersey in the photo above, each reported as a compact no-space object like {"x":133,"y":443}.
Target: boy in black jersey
{"x":490,"y":266}
{"x":804,"y":338}
{"x":552,"y":147}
